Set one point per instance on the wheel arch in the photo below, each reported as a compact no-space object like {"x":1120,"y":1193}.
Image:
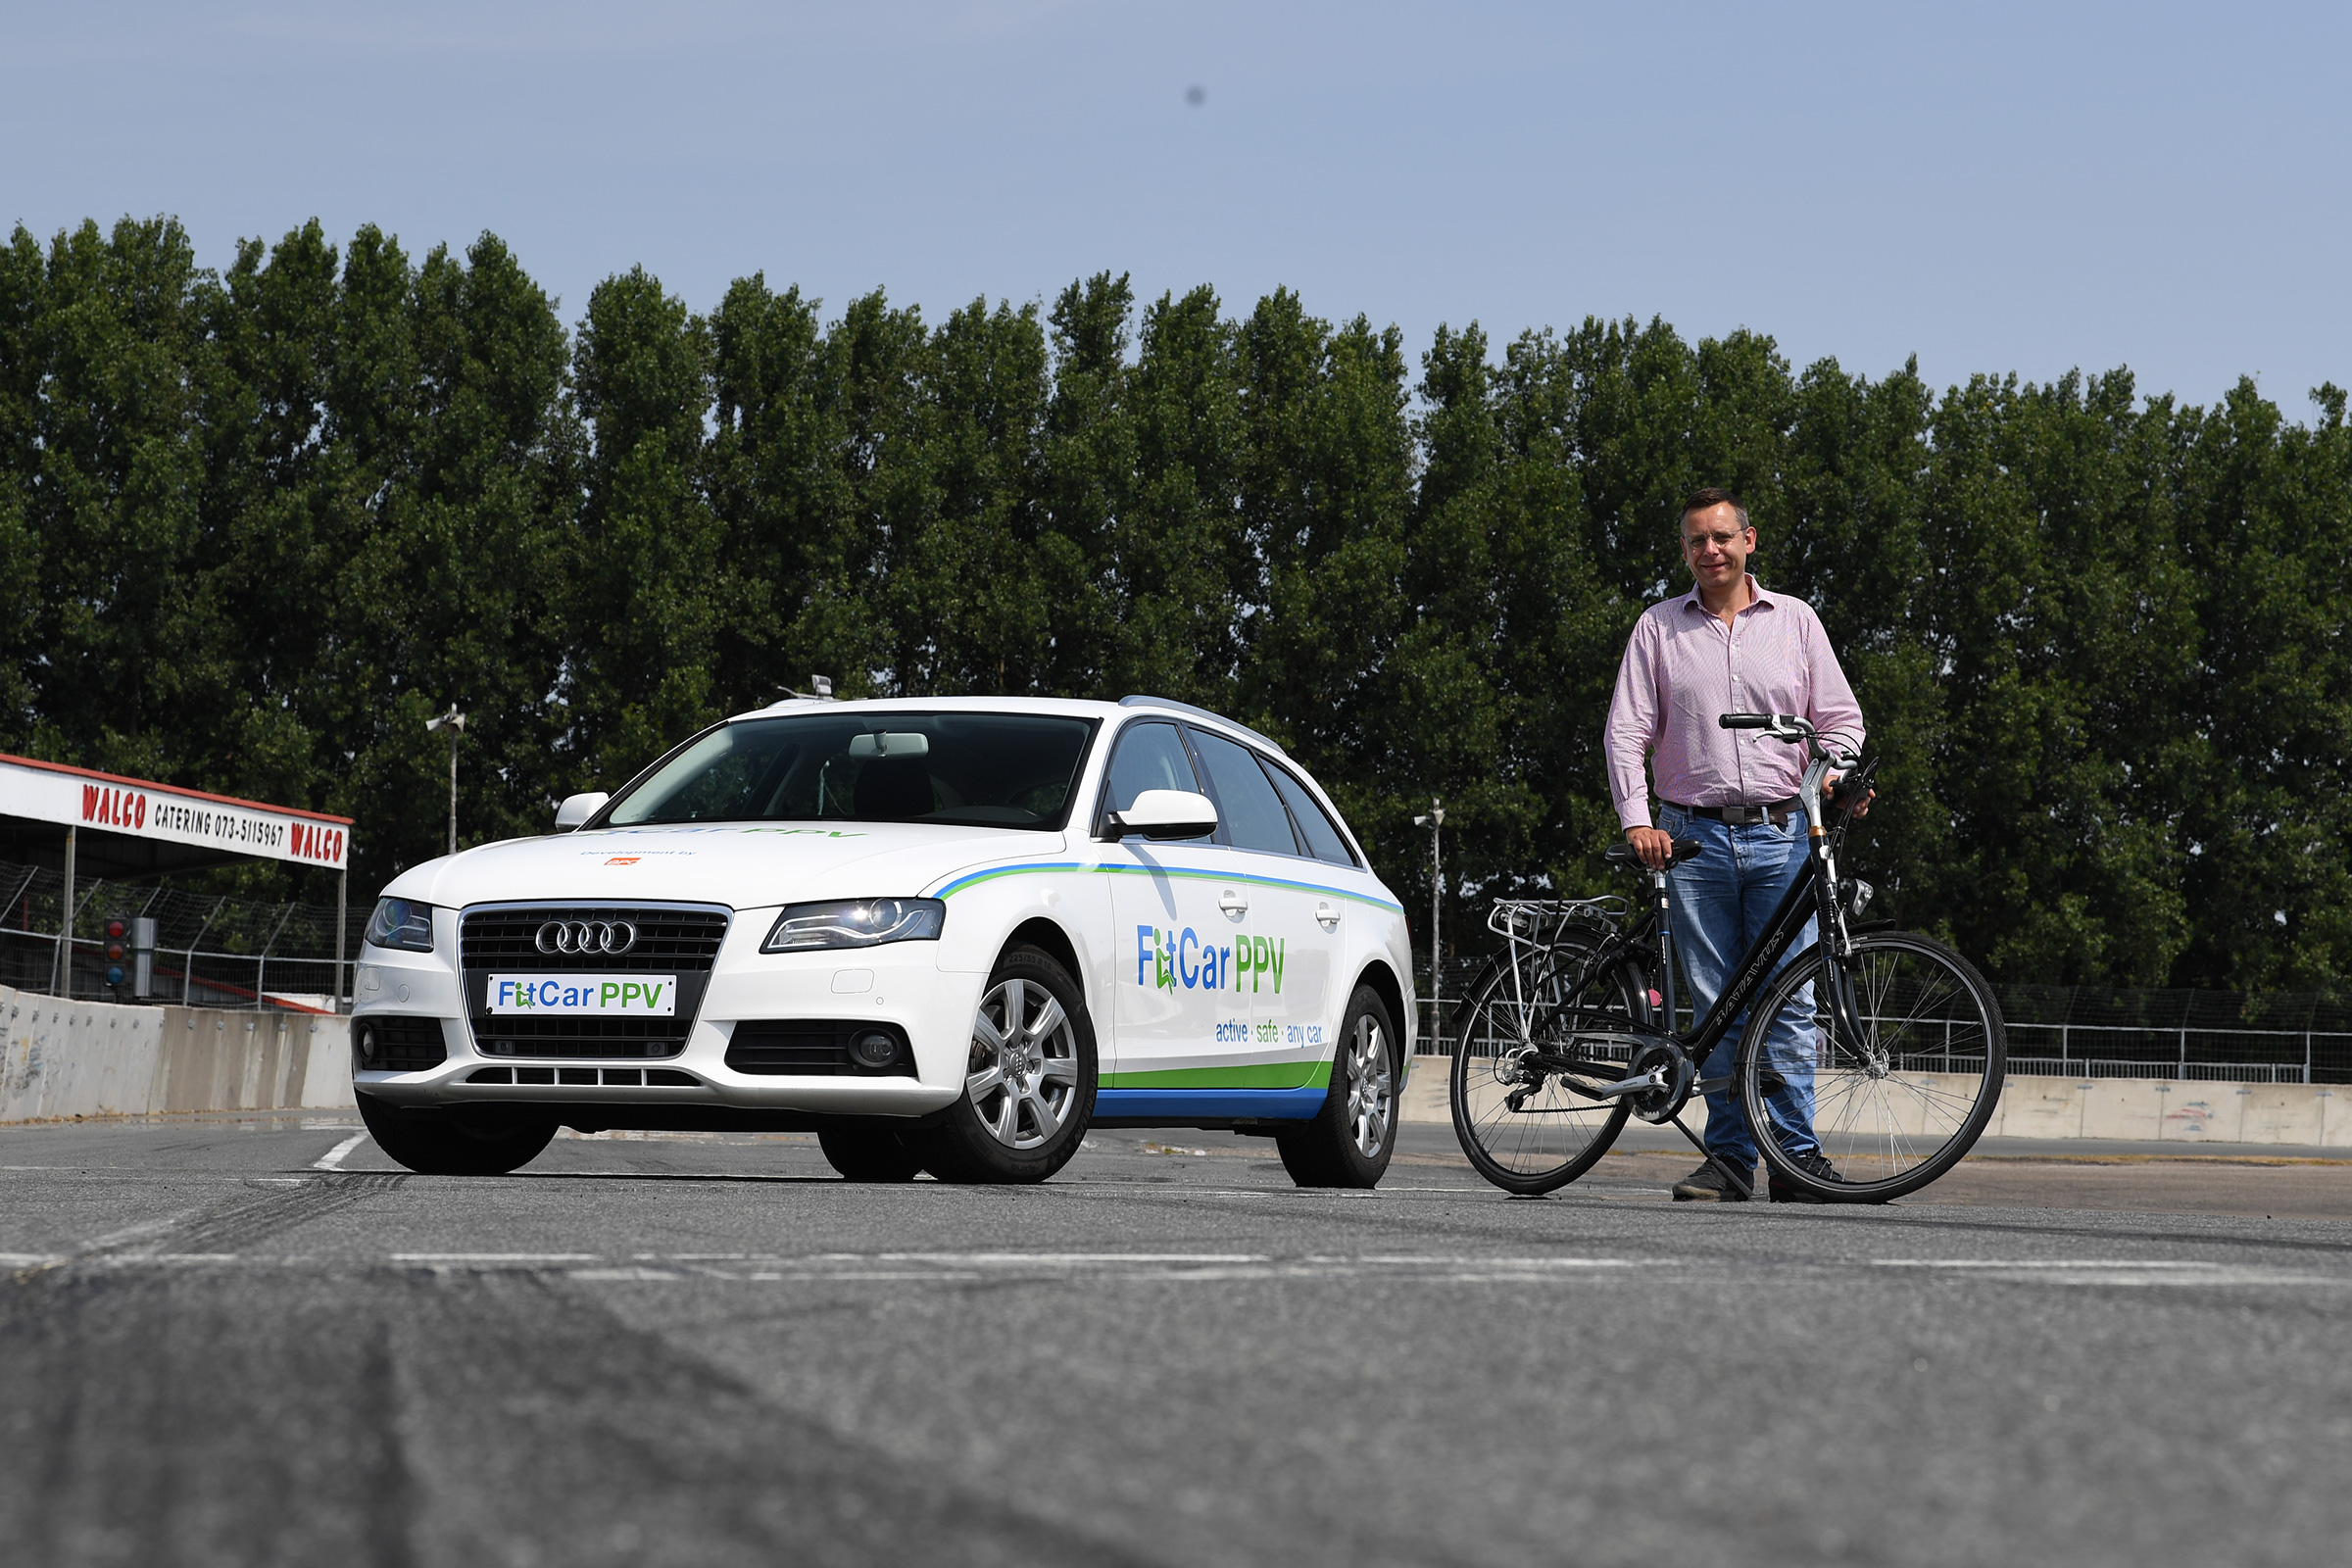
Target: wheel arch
{"x":1050,"y":938}
{"x":1383,"y":980}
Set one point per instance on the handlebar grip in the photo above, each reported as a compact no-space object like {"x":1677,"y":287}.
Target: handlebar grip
{"x":1745,"y":720}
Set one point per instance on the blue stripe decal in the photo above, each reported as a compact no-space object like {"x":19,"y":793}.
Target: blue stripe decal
{"x":1180,"y":1104}
{"x":985,"y":872}
{"x":1187,"y":871}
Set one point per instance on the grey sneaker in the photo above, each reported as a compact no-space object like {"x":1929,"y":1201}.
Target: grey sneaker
{"x":1707,"y":1185}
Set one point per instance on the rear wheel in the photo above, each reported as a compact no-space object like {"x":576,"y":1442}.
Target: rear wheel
{"x":1525,"y":1127}
{"x":459,"y":1140}
{"x":1351,"y":1137}
{"x":870,"y":1154}
{"x":1861,"y":1116}
{"x":1029,"y":1079}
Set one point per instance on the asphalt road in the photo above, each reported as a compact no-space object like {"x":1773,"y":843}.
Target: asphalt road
{"x":677,"y":1350}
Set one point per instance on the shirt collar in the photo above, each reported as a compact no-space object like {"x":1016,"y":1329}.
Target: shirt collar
{"x":1757,"y":597}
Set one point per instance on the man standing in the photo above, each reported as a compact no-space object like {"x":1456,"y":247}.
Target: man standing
{"x":1728,"y":646}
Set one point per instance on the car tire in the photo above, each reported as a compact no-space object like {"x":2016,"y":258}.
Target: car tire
{"x":1029,"y":1080}
{"x":1350,"y":1141}
{"x":870,"y":1154}
{"x":463,"y":1140}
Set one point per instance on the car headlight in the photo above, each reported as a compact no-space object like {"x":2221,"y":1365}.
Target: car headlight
{"x":401,"y":923}
{"x":855,"y":923}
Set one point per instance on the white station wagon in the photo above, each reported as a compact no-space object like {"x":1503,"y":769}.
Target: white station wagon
{"x":944,"y":935}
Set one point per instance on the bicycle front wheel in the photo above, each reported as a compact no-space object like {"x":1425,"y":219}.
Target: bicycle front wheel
{"x":1524,"y":1129}
{"x":1864,"y":1114}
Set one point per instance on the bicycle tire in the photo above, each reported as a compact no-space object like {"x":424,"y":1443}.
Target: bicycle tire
{"x":1881,"y":1116}
{"x":1555,"y":1136}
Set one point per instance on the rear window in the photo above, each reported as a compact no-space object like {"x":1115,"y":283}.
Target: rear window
{"x":972,"y":770}
{"x":1322,"y":836}
{"x":1254,"y":816}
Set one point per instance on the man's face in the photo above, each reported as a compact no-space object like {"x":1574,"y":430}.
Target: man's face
{"x":1715,"y":547}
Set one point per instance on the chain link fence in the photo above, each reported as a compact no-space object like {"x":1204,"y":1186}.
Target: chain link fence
{"x":2106,"y":1031}
{"x":211,"y":950}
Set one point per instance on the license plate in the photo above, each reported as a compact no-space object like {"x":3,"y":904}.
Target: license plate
{"x":586,"y":996}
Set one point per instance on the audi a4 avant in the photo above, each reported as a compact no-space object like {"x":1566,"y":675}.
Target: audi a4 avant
{"x":943,"y":934}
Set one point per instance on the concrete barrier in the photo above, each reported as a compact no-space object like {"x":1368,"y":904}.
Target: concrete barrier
{"x":63,"y":1060}
{"x":2139,"y":1109}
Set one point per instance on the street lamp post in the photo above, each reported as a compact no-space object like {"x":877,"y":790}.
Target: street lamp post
{"x":453,"y":722}
{"x":1434,"y":820}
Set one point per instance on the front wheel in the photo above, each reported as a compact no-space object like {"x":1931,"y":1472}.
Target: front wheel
{"x":1871,"y":1113}
{"x":1029,"y":1079}
{"x":458,"y":1139}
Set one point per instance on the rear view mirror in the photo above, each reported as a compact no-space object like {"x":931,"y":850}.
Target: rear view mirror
{"x":1167,"y":814}
{"x":889,"y":743}
{"x":578,"y":808}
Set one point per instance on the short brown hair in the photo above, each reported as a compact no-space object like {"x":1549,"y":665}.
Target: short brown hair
{"x":1712,"y":495}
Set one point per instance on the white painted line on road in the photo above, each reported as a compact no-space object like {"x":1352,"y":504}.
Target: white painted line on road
{"x":2036,"y":1263}
{"x":498,"y":1258}
{"x":30,"y":1259}
{"x":2112,"y":1271}
{"x":333,"y":1158}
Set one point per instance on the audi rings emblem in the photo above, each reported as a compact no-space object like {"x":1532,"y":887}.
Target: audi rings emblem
{"x":587,"y":936}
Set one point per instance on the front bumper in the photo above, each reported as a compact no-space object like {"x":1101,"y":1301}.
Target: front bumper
{"x":900,"y":983}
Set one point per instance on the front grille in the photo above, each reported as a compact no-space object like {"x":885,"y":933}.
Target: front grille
{"x":813,"y":1048}
{"x":400,"y":1044}
{"x":671,"y":938}
{"x":668,"y":938}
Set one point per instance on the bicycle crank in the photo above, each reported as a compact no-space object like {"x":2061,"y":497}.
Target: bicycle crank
{"x":1670,"y":1066}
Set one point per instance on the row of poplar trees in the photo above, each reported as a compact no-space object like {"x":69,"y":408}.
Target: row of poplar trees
{"x":256,"y":524}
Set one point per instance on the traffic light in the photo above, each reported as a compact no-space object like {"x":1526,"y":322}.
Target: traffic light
{"x":115,"y":952}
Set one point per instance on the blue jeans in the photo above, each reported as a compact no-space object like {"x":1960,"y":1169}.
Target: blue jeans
{"x":1722,"y":903}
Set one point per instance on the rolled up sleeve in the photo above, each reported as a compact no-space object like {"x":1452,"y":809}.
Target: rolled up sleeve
{"x":1835,"y":716}
{"x":1633,"y":724}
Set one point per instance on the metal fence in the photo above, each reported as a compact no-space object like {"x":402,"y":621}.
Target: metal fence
{"x":211,"y":950}
{"x":2109,"y":1032}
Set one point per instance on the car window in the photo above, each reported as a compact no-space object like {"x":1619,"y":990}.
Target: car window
{"x":1322,"y":837}
{"x":978,"y":769}
{"x":1254,"y":816}
{"x":1150,"y":756}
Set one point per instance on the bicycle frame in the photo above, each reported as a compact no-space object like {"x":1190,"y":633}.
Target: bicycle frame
{"x":1811,"y":899}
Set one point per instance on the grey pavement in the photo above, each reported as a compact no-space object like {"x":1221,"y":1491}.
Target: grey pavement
{"x":705,"y":1350}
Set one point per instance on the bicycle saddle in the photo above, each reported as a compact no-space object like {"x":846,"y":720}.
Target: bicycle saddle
{"x":1621,"y":853}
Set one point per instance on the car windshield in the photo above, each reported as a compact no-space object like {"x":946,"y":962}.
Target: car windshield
{"x":973,"y":769}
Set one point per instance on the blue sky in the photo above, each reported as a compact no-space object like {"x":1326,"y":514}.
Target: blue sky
{"x":1992,"y":187}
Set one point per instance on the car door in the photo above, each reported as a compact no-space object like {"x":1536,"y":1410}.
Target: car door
{"x":1288,"y":971}
{"x":1180,"y":925}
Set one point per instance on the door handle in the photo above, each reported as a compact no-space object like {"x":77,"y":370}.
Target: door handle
{"x":1232,"y":903}
{"x":1327,"y":913}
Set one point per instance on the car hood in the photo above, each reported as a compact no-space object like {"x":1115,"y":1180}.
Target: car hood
{"x":741,"y":865}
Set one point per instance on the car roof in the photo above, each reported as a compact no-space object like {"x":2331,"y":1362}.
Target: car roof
{"x":1068,"y":706}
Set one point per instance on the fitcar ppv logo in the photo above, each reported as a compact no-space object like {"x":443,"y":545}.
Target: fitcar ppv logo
{"x":1173,"y":959}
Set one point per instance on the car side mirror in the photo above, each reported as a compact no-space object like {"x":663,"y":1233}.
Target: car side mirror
{"x":1166,"y":814}
{"x":578,"y":808}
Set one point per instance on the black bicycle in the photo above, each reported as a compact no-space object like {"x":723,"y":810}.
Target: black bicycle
{"x":1891,"y":1068}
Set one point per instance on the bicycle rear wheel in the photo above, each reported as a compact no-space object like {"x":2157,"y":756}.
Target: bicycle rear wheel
{"x":1864,"y":1120}
{"x":1524,"y":1130}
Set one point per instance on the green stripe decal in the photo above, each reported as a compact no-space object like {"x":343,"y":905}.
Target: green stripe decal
{"x":1258,"y":1075}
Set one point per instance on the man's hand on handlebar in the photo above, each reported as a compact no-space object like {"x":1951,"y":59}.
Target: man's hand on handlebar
{"x":1654,"y":846}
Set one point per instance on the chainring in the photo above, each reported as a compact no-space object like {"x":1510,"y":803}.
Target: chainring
{"x":1661,"y":1104}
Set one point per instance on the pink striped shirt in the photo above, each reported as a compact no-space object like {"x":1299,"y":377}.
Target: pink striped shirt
{"x":1684,"y":670}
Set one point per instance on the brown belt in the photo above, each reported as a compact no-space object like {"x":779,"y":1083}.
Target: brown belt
{"x":1740,"y":816}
